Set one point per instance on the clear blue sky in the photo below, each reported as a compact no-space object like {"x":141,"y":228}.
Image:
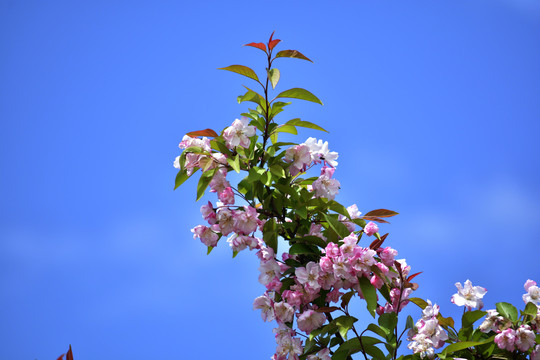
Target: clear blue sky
{"x":434,"y":107}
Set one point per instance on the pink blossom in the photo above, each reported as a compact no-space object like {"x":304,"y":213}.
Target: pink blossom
{"x":207,"y":236}
{"x":371,"y":228}
{"x":240,"y":242}
{"x":284,"y":312}
{"x":323,"y":354}
{"x":349,"y":244}
{"x":387,"y":256}
{"x":376,"y":281}
{"x":332,"y":250}
{"x":219,"y":181}
{"x":226,"y":196}
{"x":506,"y":339}
{"x":326,"y":187}
{"x":362,"y":260}
{"x":525,"y":338}
{"x":333,"y":296}
{"x":265,"y":305}
{"x":309,"y":275}
{"x":208,"y":213}
{"x":269,"y":270}
{"x":238,"y":133}
{"x":470,"y":296}
{"x":246,"y":221}
{"x":535,"y":355}
{"x":533,"y":293}
{"x":316,"y":230}
{"x":310,"y":320}
{"x":188,"y":141}
{"x":274,"y":285}
{"x":266,"y":253}
{"x":294,"y":298}
{"x":319,"y":152}
{"x":225,"y":218}
{"x":299,"y":157}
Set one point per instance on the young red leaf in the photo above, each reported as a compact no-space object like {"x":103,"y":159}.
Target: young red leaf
{"x":381,"y":213}
{"x":205,"y":132}
{"x":257,"y":45}
{"x":271,"y":36}
{"x":326,"y":309}
{"x":69,"y":355}
{"x":376,"y":219}
{"x":413,"y":276}
{"x":61,"y":357}
{"x":272,"y":44}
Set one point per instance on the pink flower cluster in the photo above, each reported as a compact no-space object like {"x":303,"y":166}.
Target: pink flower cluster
{"x":427,"y":334}
{"x":194,"y":160}
{"x":523,"y":339}
{"x":339,"y":269}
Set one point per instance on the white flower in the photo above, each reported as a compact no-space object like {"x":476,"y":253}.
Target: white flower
{"x":470,"y":296}
{"x":238,"y":133}
{"x":319,"y":151}
{"x":309,"y":275}
{"x":265,"y":304}
{"x":533,"y":293}
{"x":176,"y":163}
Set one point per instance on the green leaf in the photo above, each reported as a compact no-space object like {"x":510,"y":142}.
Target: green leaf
{"x":469,"y":317}
{"x":353,"y":346}
{"x":242,"y":70}
{"x":235,"y":163}
{"x":464,"y":345}
{"x":273,"y":75}
{"x":375,"y":352}
{"x":507,"y":310}
{"x":277,"y":107}
{"x":205,"y":179}
{"x":346,"y":298}
{"x":337,"y":226}
{"x":388,"y":322}
{"x":209,"y":250}
{"x":287,"y":129}
{"x":421,"y":303}
{"x":530,"y":309}
{"x":344,"y":324}
{"x":299,"y":93}
{"x":305,"y":124}
{"x":299,"y":248}
{"x":337,"y":207}
{"x":278,"y":171}
{"x":410,"y":322}
{"x":292,"y":54}
{"x":181,"y":177}
{"x":370,"y":294}
{"x":253,"y":97}
{"x":301,"y":211}
{"x":377,"y":330}
{"x":270,"y":234}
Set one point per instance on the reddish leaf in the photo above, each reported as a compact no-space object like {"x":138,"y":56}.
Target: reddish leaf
{"x":69,"y":355}
{"x":376,"y":219}
{"x":257,"y":45}
{"x":271,"y":36}
{"x":413,"y":276}
{"x":272,"y":44}
{"x":205,"y":132}
{"x":378,"y":243}
{"x":326,"y":309}
{"x":61,"y":357}
{"x":381,"y":213}
{"x":398,"y":266}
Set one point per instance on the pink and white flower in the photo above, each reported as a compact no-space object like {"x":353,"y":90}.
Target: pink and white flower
{"x":533,"y":293}
{"x":310,"y":320}
{"x":525,"y":338}
{"x":309,"y":275}
{"x":469,"y":296}
{"x":284,"y":312}
{"x":264,"y":303}
{"x":371,"y":228}
{"x":323,"y":354}
{"x":325,"y":186}
{"x":238,"y":133}
{"x":207,"y":235}
{"x":319,"y":152}
{"x":299,"y":157}
{"x":506,"y":339}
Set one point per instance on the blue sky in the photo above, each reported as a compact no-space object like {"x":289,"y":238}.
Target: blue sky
{"x":433,"y":106}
